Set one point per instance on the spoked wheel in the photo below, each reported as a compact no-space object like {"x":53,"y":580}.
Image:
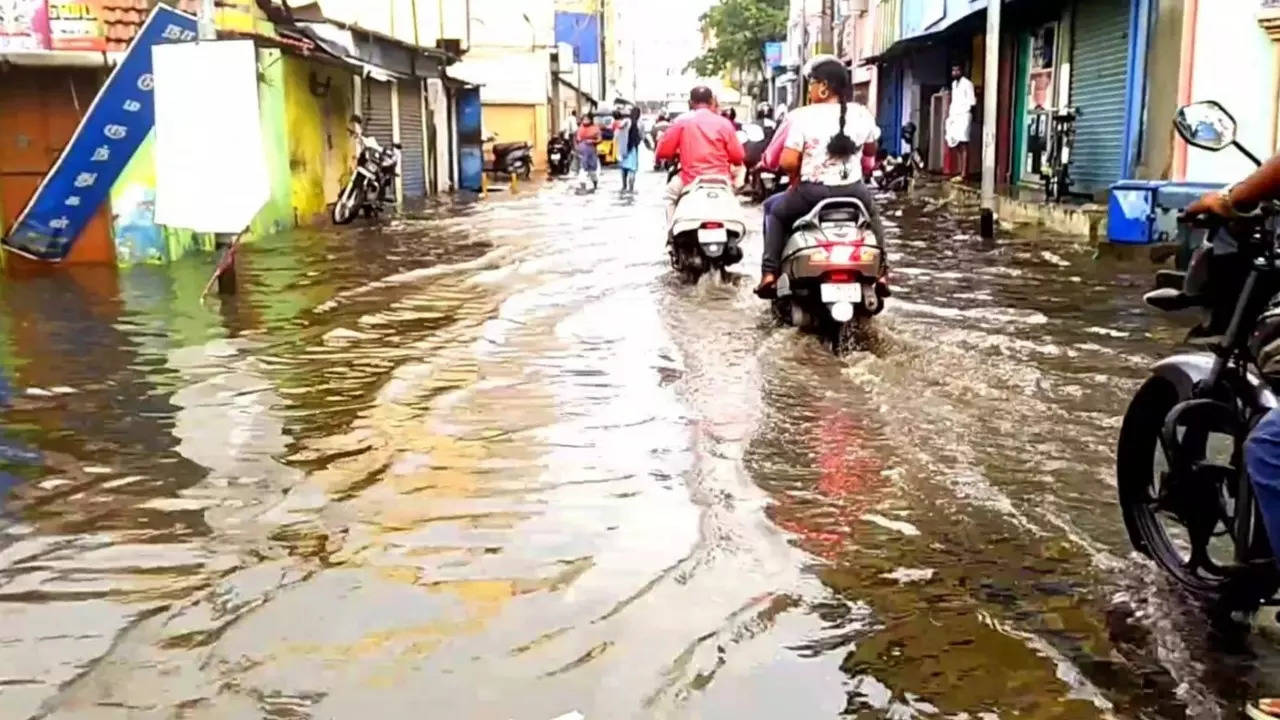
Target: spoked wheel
{"x":1186,"y":518}
{"x":347,"y":206}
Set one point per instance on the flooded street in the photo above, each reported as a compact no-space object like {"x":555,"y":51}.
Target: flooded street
{"x":497,"y":462}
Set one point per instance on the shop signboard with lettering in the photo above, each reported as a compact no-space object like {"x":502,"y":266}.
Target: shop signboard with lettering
{"x":24,"y":25}
{"x":110,"y":133}
{"x":76,"y":25}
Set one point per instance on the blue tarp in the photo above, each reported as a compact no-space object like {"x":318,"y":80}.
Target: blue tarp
{"x":582,"y":31}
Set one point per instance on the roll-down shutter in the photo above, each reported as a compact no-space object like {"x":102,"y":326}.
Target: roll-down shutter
{"x":413,"y":162}
{"x":1100,"y":62}
{"x":377,"y":116}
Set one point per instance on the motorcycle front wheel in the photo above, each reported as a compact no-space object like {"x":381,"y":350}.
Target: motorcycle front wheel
{"x":1183,"y":521}
{"x":348,"y":204}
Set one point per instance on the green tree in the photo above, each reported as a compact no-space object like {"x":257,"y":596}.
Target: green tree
{"x":738,"y":30}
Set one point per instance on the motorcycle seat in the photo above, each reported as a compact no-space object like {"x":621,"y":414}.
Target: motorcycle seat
{"x":832,"y":210}
{"x":507,"y":147}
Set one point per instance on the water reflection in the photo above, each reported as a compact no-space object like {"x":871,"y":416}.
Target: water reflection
{"x":497,"y":462}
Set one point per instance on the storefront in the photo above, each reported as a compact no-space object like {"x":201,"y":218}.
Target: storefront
{"x":1041,"y":88}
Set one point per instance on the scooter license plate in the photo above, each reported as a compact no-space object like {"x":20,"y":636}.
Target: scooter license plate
{"x":841,"y":292}
{"x":555,"y":156}
{"x":708,"y":236}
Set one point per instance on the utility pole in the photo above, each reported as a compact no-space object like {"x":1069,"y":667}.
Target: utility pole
{"x":987,"y":221}
{"x":223,"y":244}
{"x":604,"y":57}
{"x":828,"y":32}
{"x":205,"y":25}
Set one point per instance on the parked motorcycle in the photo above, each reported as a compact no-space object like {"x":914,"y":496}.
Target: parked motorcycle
{"x":707,"y":230}
{"x":1185,"y":494}
{"x":830,"y":279}
{"x":374,"y":176}
{"x":559,"y":155}
{"x":513,"y":159}
{"x":897,"y":173}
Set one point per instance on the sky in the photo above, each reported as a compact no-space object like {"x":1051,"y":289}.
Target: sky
{"x":667,"y":38}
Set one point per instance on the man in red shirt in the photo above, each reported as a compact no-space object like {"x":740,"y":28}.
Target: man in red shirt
{"x":705,"y":142}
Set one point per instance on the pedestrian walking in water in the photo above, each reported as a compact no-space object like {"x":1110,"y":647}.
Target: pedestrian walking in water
{"x":629,"y":137}
{"x":588,"y":161}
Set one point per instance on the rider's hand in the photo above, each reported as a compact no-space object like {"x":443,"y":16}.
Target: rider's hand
{"x":1215,"y":203}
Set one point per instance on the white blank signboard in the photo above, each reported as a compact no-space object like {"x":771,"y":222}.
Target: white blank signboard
{"x":211,"y":173}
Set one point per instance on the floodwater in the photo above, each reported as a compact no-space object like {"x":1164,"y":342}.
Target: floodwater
{"x":496,"y":462}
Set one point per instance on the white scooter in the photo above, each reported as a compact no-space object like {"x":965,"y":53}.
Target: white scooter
{"x":707,"y":230}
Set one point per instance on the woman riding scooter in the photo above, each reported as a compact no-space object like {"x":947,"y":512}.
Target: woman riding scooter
{"x":823,"y":156}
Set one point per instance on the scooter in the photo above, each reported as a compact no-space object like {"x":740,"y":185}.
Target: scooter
{"x":760,"y":182}
{"x":511,"y":159}
{"x":831,"y":279}
{"x":897,"y":172}
{"x":375,"y":173}
{"x":559,"y":155}
{"x":707,"y":230}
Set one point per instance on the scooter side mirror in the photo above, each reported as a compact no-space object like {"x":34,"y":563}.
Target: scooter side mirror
{"x":1206,"y":125}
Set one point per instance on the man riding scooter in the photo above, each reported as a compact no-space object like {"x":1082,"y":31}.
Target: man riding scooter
{"x":705,"y":142}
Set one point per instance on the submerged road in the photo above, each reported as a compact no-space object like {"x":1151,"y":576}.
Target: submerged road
{"x":497,"y":462}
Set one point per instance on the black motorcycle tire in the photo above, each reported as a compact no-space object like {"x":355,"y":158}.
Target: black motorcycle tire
{"x":525,"y":171}
{"x":1135,"y":472}
{"x":347,"y":206}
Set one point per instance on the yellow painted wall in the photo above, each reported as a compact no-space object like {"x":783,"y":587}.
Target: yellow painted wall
{"x":515,"y":123}
{"x":320,"y":150}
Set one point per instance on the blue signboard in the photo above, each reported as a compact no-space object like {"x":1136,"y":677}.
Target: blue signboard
{"x":582,"y":31}
{"x":773,"y":54}
{"x":110,"y":133}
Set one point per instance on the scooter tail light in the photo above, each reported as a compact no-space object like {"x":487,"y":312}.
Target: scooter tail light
{"x":840,"y":276}
{"x":712,"y":226}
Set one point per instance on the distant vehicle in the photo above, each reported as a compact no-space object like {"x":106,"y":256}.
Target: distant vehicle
{"x":560,"y":154}
{"x":513,"y":159}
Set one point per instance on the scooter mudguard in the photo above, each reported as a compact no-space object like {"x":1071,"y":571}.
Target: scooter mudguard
{"x":1185,"y":370}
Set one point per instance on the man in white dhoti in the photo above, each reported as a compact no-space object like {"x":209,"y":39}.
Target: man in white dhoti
{"x":959,"y":121}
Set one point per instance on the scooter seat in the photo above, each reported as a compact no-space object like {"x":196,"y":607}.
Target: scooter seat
{"x":832,"y":210}
{"x":500,"y":148}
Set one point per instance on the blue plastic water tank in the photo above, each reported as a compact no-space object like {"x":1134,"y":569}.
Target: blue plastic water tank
{"x":1131,"y":211}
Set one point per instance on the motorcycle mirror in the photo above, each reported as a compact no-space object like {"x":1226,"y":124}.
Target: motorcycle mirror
{"x":1206,"y":125}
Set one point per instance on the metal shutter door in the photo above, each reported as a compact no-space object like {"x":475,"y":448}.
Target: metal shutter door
{"x":1100,"y":64}
{"x":413,"y":163}
{"x":377,"y":114}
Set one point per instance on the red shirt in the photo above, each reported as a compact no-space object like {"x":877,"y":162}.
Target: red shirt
{"x":707,"y":145}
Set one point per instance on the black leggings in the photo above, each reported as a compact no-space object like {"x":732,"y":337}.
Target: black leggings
{"x":801,"y":202}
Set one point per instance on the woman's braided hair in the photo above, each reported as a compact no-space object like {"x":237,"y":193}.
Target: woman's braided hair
{"x":835,"y":76}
